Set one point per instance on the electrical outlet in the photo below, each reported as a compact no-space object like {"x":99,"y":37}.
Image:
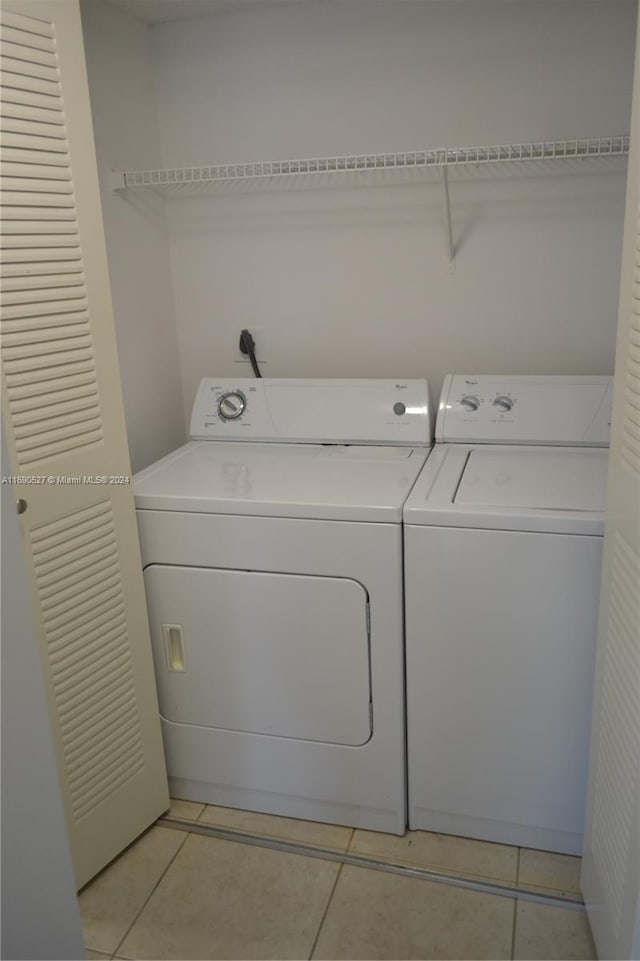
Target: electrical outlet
{"x":260,"y":340}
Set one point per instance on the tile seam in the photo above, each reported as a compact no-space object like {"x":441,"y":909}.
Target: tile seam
{"x":513,"y":930}
{"x":325,"y":912}
{"x":151,"y":893}
{"x":515,"y":908}
{"x":564,"y":892}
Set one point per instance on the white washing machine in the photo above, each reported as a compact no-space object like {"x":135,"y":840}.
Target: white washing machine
{"x":272,"y":552}
{"x":503,"y":538}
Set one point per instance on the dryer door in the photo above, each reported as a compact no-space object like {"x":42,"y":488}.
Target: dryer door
{"x":284,"y":655}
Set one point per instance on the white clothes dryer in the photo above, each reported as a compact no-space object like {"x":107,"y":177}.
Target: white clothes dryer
{"x":272,"y":553}
{"x":503,"y":539}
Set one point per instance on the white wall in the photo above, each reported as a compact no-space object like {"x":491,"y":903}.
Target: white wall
{"x":119,"y":66}
{"x":347,"y":282}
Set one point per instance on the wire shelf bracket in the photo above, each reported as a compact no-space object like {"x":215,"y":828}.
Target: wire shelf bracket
{"x":446,"y":200}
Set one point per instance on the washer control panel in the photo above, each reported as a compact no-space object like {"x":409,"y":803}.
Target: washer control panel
{"x":384,"y":412}
{"x":523,"y":409}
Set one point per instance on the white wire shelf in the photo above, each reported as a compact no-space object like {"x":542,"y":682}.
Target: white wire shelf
{"x":359,"y":168}
{"x":592,"y":154}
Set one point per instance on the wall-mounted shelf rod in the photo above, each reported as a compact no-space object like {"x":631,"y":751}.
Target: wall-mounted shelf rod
{"x":440,"y":157}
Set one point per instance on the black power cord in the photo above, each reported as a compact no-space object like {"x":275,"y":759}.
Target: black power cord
{"x":247,"y":346}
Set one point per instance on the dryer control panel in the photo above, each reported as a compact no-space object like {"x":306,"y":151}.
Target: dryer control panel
{"x":495,"y":409}
{"x":383,"y":412}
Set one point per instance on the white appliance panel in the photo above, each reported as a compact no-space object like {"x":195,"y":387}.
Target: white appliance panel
{"x":500,"y":409}
{"x":343,"y":784}
{"x":563,"y":479}
{"x":323,"y":411}
{"x":282,"y":480}
{"x":278,"y":654}
{"x":501,"y":633}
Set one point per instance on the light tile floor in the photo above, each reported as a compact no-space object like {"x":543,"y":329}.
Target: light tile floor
{"x":332,"y":837}
{"x":441,"y":852}
{"x":554,"y":874}
{"x":174,"y":895}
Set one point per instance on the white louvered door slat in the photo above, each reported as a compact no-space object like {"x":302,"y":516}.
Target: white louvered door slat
{"x":36,"y":142}
{"x":31,"y":29}
{"x":21,"y":81}
{"x":22,"y":112}
{"x":24,"y":125}
{"x":28,"y":39}
{"x":31,"y":169}
{"x":41,"y":286}
{"x":51,"y":198}
{"x":36,"y":282}
{"x":28,"y":99}
{"x":29,"y":274}
{"x":61,"y":208}
{"x":611,"y":864}
{"x":31,"y":229}
{"x":16,"y":248}
{"x":29,"y":153}
{"x":16,"y":191}
{"x":64,"y":419}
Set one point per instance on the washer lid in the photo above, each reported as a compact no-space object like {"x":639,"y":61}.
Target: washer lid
{"x":362,"y":483}
{"x":543,"y":489}
{"x":562,"y":479}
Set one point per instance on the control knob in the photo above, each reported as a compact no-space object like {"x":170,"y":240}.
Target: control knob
{"x":232,"y":405}
{"x":503,"y":403}
{"x":470,"y":402}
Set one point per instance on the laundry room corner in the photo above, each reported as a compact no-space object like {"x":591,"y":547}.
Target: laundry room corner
{"x":118,"y":55}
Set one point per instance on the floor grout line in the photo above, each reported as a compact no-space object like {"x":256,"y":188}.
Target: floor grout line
{"x":515,"y":908}
{"x":513,"y":928}
{"x":151,"y":893}
{"x":483,"y":886}
{"x":325,"y":912}
{"x":350,"y":841}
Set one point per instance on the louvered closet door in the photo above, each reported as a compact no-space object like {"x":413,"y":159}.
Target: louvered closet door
{"x":63,"y":416}
{"x":611,"y":865}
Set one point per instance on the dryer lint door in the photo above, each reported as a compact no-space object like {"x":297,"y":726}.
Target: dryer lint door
{"x":284,"y":655}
